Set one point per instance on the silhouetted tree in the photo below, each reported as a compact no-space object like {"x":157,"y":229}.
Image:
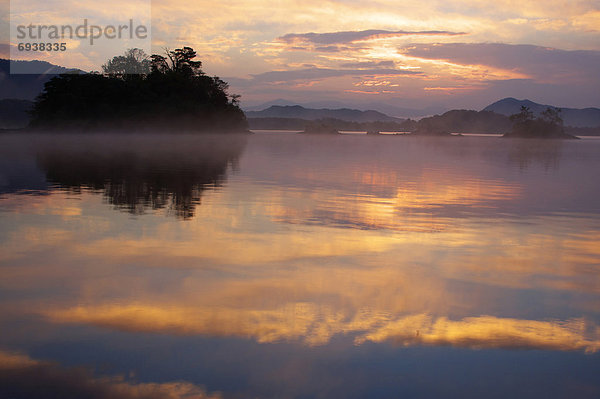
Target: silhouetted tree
{"x":177,"y":61}
{"x":134,"y":62}
{"x":523,"y":116}
{"x":552,"y":115}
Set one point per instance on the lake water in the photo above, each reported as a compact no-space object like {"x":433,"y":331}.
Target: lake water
{"x":293,"y":266}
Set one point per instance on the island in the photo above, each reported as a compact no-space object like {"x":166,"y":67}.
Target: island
{"x":429,"y":131}
{"x":549,"y":125}
{"x":318,"y":127}
{"x":137,"y":93}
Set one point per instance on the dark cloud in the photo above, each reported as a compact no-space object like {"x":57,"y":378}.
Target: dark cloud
{"x":328,"y":49}
{"x":540,"y":63}
{"x":321,"y":73}
{"x":355,"y":36}
{"x":369,"y":64}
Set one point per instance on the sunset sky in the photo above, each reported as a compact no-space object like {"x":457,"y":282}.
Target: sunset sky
{"x":414,"y":54}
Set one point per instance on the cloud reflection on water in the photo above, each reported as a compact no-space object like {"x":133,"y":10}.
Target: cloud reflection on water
{"x":316,"y":325}
{"x":417,"y":245}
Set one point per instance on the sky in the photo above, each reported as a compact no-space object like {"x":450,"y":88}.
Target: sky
{"x":412,"y":54}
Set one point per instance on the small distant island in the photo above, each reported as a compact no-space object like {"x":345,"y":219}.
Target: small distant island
{"x":549,"y":125}
{"x":319,"y":127}
{"x":135,"y":92}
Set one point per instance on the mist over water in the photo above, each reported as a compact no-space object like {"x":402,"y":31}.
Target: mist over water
{"x":283,"y":265}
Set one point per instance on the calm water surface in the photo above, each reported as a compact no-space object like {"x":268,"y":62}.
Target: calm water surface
{"x":289,"y":266}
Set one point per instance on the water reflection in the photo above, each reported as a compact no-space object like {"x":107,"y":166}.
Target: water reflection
{"x":138,"y":173}
{"x":316,"y":326}
{"x":389,"y":200}
{"x":328,"y":246}
{"x":24,"y":377}
{"x":525,"y":153}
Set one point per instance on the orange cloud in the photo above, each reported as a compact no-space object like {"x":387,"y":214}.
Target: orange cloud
{"x":451,"y":89}
{"x":344,"y":37}
{"x":362,"y":92}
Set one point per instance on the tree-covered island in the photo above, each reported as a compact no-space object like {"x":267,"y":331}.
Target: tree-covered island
{"x":549,"y":125}
{"x":140,"y":93}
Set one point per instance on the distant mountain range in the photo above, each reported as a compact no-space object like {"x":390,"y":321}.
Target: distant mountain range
{"x":491,"y":117}
{"x":385,"y":108}
{"x":311,"y":114}
{"x":586,"y":117}
{"x":26,"y":86}
{"x":18,"y":90}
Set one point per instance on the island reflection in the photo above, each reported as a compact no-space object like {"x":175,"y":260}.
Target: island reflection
{"x":137,"y":173}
